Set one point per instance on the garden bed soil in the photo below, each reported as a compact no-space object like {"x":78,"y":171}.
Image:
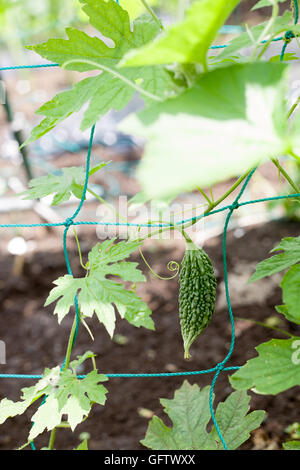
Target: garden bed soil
{"x":34,"y":340}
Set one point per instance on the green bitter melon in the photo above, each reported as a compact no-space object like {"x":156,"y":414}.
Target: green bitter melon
{"x":197,"y":294}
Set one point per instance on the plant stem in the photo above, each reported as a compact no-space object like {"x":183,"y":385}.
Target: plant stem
{"x":52,"y":439}
{"x":275,"y":12}
{"x":152,"y":13}
{"x":285,"y":175}
{"x":70,"y":344}
{"x":107,"y":204}
{"x":212,"y":206}
{"x":265,"y":46}
{"x":259,"y":323}
{"x":294,"y":155}
{"x":67,"y":362}
{"x":204,"y":195}
{"x":182,"y":7}
{"x":114,"y":73}
{"x":24,"y":445}
{"x":79,"y":249}
{"x":230,"y":190}
{"x":64,"y":425}
{"x":293,"y":107}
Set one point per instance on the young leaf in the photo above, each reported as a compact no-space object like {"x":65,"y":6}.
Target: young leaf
{"x":187,"y":41}
{"x":277,"y":263}
{"x":190,"y":414}
{"x":69,"y":181}
{"x":274,"y":370}
{"x":231,"y":120}
{"x":62,"y":185}
{"x":288,"y":57}
{"x":98,"y":294}
{"x":280,"y":25}
{"x":111,"y":89}
{"x":266,"y":3}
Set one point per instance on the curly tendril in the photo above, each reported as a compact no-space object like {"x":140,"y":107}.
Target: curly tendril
{"x":172,"y":266}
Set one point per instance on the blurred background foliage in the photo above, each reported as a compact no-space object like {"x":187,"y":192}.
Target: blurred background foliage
{"x":25,"y":21}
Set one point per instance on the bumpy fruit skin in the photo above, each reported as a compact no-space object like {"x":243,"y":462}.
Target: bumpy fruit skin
{"x":197,"y":295}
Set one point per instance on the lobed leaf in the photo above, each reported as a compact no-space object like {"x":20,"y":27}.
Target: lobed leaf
{"x":64,"y":394}
{"x":190,"y":414}
{"x":290,"y":292}
{"x":231,"y":120}
{"x":279,"y":262}
{"x":274,"y":370}
{"x":187,"y":41}
{"x":81,"y":52}
{"x":99,"y":295}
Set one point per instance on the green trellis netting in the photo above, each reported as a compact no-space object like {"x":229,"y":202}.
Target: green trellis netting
{"x":70,"y":221}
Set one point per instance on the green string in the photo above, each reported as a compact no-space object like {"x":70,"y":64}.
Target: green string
{"x":289,"y":35}
{"x":220,"y":366}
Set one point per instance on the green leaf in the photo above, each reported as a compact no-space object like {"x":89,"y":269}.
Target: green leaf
{"x":283,"y":309}
{"x":290,"y":292}
{"x":62,"y":185}
{"x":83,"y":445}
{"x":64,"y":393}
{"x":187,"y":41}
{"x":266,"y":3}
{"x":111,"y":89}
{"x":234,"y":422}
{"x":280,"y":25}
{"x":190,"y":414}
{"x":98,"y":294}
{"x":80,"y":360}
{"x":231,"y":120}
{"x":47,"y":417}
{"x":69,"y":181}
{"x":135,"y":8}
{"x":291,"y":445}
{"x":288,"y":56}
{"x":277,"y":263}
{"x":274,"y":370}
{"x":9,"y":409}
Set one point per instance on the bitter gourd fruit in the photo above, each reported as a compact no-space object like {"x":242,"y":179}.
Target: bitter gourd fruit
{"x":197,"y":294}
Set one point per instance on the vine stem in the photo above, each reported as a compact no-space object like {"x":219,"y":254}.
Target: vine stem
{"x":115,"y":74}
{"x":285,"y":175}
{"x":204,"y":195}
{"x":52,"y":439}
{"x":153,"y":14}
{"x":70,"y":344}
{"x":105,"y":203}
{"x":275,"y":12}
{"x":259,"y":323}
{"x":294,"y":155}
{"x":293,"y":107}
{"x":108,"y":205}
{"x":66,"y":365}
{"x":212,"y":206}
